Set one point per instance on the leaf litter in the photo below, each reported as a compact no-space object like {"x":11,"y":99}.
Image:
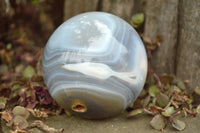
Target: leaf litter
{"x":23,"y":92}
{"x":166,"y":97}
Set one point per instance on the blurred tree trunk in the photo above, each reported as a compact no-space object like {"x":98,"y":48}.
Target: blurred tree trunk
{"x":176,"y":21}
{"x":3,"y":8}
{"x":188,"y":52}
{"x":162,"y":20}
{"x":121,"y":8}
{"x":74,"y":7}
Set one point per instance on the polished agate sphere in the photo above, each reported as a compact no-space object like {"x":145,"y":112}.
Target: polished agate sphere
{"x":94,"y":65}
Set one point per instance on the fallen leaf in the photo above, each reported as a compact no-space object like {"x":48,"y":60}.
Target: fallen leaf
{"x":29,"y":71}
{"x":166,"y":79}
{"x":168,"y":112}
{"x":153,"y":90}
{"x":19,"y":68}
{"x":179,"y":83}
{"x":38,"y":113}
{"x":158,"y":122}
{"x":162,"y":100}
{"x":43,"y":95}
{"x":146,"y":101}
{"x":3,"y":68}
{"x":3,"y":102}
{"x":147,"y":40}
{"x":18,"y":110}
{"x":198,"y":109}
{"x":197,"y":90}
{"x":28,"y":98}
{"x":134,"y":112}
{"x":9,"y":46}
{"x":20,"y":122}
{"x":175,"y":104}
{"x":6,"y":116}
{"x":178,"y":124}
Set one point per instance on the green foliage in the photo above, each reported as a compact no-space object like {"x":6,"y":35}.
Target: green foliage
{"x":158,"y":122}
{"x":178,"y":124}
{"x":137,"y":20}
{"x":162,"y":100}
{"x":29,"y":71}
{"x":166,"y":98}
{"x":153,"y":91}
{"x":168,"y":112}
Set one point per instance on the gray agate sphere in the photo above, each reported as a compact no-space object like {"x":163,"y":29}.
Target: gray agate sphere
{"x":94,"y":65}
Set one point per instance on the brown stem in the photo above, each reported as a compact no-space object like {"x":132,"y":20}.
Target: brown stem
{"x":190,"y":112}
{"x":170,"y":102}
{"x":158,"y":80}
{"x":148,"y":112}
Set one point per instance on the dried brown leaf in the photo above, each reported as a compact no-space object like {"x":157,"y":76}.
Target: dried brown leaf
{"x":166,"y":79}
{"x":147,"y":40}
{"x":38,"y":113}
{"x":175,"y":104}
{"x":6,"y":116}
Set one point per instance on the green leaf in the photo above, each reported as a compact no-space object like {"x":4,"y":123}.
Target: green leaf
{"x":3,"y":102}
{"x":3,"y":68}
{"x":28,"y":72}
{"x":152,"y":46}
{"x":168,"y":112}
{"x":158,"y":122}
{"x":18,"y":110}
{"x":150,"y":80}
{"x":197,"y":109}
{"x":135,"y":112}
{"x":162,"y":100}
{"x":197,"y":90}
{"x":178,"y":124}
{"x":143,"y":93}
{"x":9,"y":46}
{"x":177,"y":89}
{"x":146,"y":101}
{"x":137,"y":20}
{"x":35,"y":2}
{"x":179,"y":83}
{"x":153,"y":90}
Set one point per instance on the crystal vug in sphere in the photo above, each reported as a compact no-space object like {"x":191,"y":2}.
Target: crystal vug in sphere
{"x":94,"y":65}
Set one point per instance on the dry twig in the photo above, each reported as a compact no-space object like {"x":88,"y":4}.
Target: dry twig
{"x":39,"y":124}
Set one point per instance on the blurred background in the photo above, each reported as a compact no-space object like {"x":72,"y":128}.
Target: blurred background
{"x":170,"y":30}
